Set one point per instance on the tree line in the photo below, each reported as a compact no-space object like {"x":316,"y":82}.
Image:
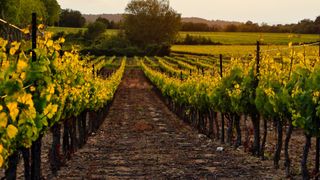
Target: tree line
{"x":305,"y":26}
{"x":19,"y":12}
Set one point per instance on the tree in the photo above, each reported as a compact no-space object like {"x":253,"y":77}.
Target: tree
{"x":3,"y":6}
{"x":105,"y":21}
{"x":151,"y":22}
{"x":95,"y":30}
{"x":317,"y":24}
{"x":8,"y":10}
{"x":305,"y":26}
{"x":19,"y":11}
{"x":53,"y":9}
{"x":71,"y":18}
{"x":231,"y":28}
{"x":27,"y":7}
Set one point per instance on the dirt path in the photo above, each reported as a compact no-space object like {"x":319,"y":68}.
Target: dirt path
{"x":142,"y":139}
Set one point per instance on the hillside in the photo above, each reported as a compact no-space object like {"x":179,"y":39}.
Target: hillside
{"x":110,"y":17}
{"x":118,"y":17}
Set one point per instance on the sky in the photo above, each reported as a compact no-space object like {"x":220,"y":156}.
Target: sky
{"x":260,"y":11}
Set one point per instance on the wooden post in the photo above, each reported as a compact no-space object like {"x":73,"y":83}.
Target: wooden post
{"x":34,"y":36}
{"x":190,"y":72}
{"x":255,"y":118}
{"x":36,"y":145}
{"x":93,"y":69}
{"x":181,"y":76}
{"x":202,"y":71}
{"x":258,"y":60}
{"x":221,"y":66}
{"x":291,"y":63}
{"x":222,"y":115}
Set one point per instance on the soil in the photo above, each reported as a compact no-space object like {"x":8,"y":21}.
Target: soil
{"x":142,"y":139}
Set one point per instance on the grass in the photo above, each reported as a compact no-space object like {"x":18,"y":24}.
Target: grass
{"x":240,"y":38}
{"x":67,"y":30}
{"x":238,"y":50}
{"x":227,"y":38}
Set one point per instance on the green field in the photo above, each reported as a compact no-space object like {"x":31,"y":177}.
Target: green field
{"x":240,"y":38}
{"x":228,"y":38}
{"x":67,"y":30}
{"x":238,"y":50}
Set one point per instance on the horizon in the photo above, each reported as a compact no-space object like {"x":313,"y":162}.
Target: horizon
{"x":271,"y":12}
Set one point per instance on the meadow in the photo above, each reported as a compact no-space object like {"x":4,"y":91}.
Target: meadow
{"x":239,"y":50}
{"x":66,"y":30}
{"x":227,"y":38}
{"x":248,"y":38}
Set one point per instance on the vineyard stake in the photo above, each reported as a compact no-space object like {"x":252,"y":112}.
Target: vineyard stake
{"x":222,"y":115}
{"x":34,"y":36}
{"x":291,"y":63}
{"x":93,"y":69}
{"x":220,"y":65}
{"x":36,"y":145}
{"x":258,"y":61}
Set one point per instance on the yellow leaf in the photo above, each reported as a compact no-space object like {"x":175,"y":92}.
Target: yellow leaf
{"x":49,"y":43}
{"x":41,"y":26}
{"x":1,"y":148}
{"x":32,"y":88}
{"x":1,"y":160}
{"x":26,"y":99}
{"x":14,"y":47}
{"x":5,"y":65}
{"x":12,"y":51}
{"x":57,"y":47}
{"x":51,"y":88}
{"x":25,"y":31}
{"x":23,"y":75}
{"x":14,"y":111}
{"x":21,"y":65}
{"x":3,"y":119}
{"x":3,"y":44}
{"x":50,"y":110}
{"x":61,"y":40}
{"x":12,"y":131}
{"x":1,"y":108}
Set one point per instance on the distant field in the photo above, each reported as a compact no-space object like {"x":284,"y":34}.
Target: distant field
{"x":239,"y":38}
{"x":68,"y":30}
{"x":228,"y":38}
{"x":237,"y":50}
